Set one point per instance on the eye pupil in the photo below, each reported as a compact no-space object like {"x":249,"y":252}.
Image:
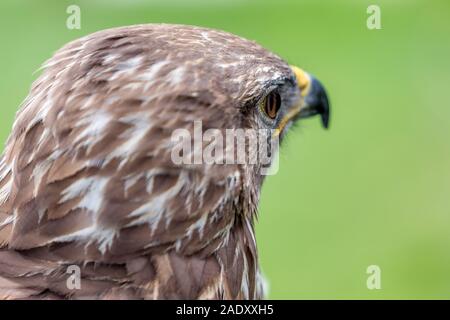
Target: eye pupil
{"x":272,"y":104}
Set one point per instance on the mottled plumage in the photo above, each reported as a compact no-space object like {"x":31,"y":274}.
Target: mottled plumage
{"x":86,"y":178}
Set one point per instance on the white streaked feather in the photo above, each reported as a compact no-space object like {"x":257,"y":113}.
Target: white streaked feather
{"x":6,"y":190}
{"x":95,"y":127}
{"x":152,"y":212}
{"x":5,"y":169}
{"x":110,"y":58}
{"x":133,"y":136}
{"x":198,"y":225}
{"x":7,"y":221}
{"x":38,"y":173}
{"x":245,"y":282}
{"x":152,"y":71}
{"x":262,"y":284}
{"x":131,"y":181}
{"x":128,"y":67}
{"x":130,"y":64}
{"x":176,"y":76}
{"x":92,"y":189}
{"x":94,"y":233}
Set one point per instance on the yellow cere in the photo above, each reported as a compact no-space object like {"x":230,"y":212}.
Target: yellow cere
{"x":303,"y":80}
{"x":304,"y":83}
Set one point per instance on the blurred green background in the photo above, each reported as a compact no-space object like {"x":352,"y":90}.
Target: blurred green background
{"x":373,"y":190}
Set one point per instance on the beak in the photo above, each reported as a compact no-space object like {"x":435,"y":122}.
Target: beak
{"x":315,"y":99}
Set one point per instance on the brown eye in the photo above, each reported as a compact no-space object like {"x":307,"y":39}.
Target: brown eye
{"x":272,"y":104}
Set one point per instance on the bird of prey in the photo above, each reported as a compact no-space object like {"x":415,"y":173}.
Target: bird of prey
{"x":87,"y":183}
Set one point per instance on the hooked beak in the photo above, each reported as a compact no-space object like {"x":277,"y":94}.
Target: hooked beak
{"x":315,"y":99}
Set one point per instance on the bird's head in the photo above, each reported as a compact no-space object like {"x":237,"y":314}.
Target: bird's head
{"x":226,"y":83}
{"x":234,"y":82}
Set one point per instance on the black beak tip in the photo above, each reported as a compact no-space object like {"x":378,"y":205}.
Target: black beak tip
{"x":320,"y":102}
{"x":317,"y":103}
{"x":324,"y":110}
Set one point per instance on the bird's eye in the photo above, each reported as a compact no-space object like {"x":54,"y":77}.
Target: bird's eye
{"x":271,"y":104}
